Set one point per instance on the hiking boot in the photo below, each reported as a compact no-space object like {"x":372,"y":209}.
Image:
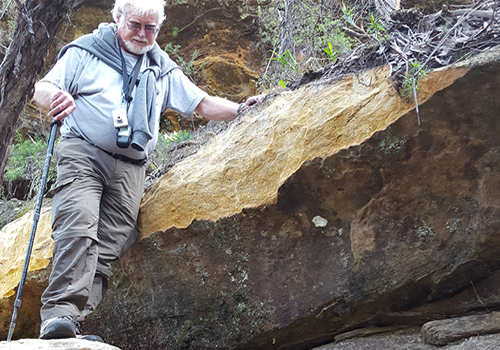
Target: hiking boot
{"x":59,"y":328}
{"x":91,"y":338}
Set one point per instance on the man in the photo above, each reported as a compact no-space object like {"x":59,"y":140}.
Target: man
{"x":110,"y":88}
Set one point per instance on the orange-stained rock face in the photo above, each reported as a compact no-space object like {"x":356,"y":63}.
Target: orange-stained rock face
{"x":324,"y":209}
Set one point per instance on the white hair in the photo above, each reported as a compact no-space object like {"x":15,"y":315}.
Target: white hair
{"x":139,"y":8}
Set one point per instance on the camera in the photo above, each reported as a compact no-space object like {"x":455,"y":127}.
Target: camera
{"x":123,"y":137}
{"x":123,"y":130}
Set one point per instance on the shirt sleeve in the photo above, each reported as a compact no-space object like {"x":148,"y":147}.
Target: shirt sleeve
{"x":182,"y":95}
{"x":67,"y":71}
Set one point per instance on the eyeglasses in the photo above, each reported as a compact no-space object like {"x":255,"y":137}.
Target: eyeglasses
{"x":136,"y":27}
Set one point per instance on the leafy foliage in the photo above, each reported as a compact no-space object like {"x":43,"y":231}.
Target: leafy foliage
{"x":349,"y":15}
{"x":27,"y":157}
{"x":330,"y":52}
{"x":296,"y":35}
{"x":188,"y":67}
{"x":375,"y":25}
{"x":181,"y":135}
{"x":286,"y":59}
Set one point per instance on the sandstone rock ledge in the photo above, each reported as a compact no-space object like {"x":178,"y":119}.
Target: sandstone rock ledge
{"x":246,"y":166}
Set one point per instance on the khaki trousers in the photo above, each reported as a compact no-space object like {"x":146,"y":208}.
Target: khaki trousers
{"x":94,"y":215}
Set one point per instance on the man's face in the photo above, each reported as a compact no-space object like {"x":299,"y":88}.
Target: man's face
{"x":137,"y":34}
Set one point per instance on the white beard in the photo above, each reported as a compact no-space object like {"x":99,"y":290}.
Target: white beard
{"x":135,"y":49}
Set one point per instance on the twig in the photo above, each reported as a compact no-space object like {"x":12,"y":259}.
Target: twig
{"x":477,"y":13}
{"x":5,"y":9}
{"x":415,"y":98}
{"x":445,"y":37}
{"x":477,"y":295}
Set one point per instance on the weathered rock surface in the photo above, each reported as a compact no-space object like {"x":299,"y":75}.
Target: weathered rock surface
{"x":324,"y":214}
{"x":225,"y":35}
{"x":410,"y":340}
{"x":245,"y":167}
{"x":64,"y":344}
{"x":442,"y":332}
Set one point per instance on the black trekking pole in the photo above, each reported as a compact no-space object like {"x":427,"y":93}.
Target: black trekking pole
{"x":50,"y":147}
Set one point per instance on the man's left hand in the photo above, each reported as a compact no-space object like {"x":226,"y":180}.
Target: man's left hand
{"x":250,"y":101}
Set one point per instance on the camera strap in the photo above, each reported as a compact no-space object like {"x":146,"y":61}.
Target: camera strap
{"x":129,"y":80}
{"x":123,"y":129}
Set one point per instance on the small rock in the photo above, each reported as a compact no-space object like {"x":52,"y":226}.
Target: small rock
{"x":318,"y":221}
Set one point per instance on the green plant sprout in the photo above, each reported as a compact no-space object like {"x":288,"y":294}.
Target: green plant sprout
{"x":412,"y":78}
{"x":286,"y":59}
{"x":330,"y":52}
{"x":375,"y":25}
{"x":348,"y":14}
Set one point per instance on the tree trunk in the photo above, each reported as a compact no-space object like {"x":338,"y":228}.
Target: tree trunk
{"x":36,"y":27}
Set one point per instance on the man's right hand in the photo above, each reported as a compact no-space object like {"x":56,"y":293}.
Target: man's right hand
{"x":62,"y":104}
{"x":59,"y":103}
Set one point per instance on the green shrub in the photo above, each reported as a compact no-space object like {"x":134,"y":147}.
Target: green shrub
{"x":26,"y":161}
